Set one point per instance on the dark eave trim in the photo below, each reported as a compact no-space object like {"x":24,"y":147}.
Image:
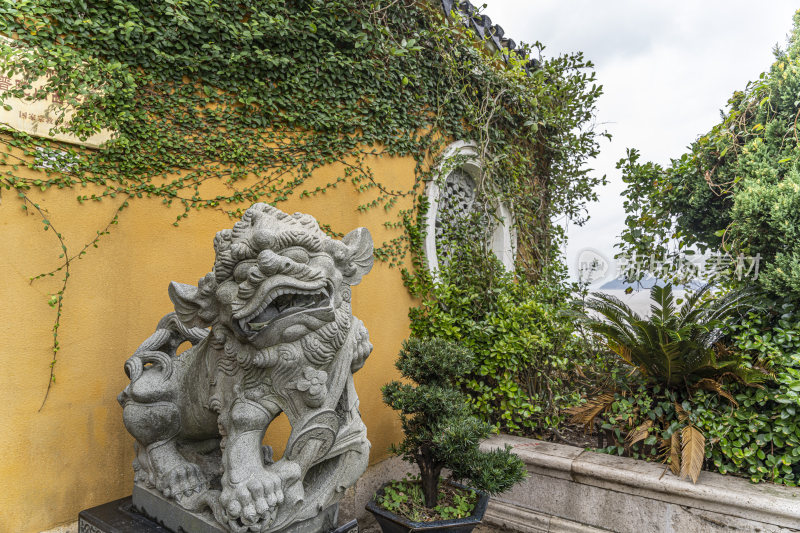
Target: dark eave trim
{"x":491,"y":34}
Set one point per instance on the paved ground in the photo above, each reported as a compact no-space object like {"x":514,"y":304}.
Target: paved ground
{"x":370,"y":526}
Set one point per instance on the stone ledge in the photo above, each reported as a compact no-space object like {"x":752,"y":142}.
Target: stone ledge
{"x":611,"y":487}
{"x":512,"y":517}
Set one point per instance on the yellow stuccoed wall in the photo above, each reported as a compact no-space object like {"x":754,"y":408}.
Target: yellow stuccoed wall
{"x":75,"y":452}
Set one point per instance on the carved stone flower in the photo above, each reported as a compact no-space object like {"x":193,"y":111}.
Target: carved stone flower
{"x":314,"y":383}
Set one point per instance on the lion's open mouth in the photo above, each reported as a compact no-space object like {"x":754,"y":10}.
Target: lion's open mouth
{"x":282,"y":302}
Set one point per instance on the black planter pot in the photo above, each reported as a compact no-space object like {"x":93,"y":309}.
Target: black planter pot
{"x":393,"y":523}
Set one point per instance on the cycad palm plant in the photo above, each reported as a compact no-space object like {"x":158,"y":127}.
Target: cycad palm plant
{"x":677,"y":347}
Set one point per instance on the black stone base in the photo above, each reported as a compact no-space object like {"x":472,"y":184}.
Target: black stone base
{"x":116,"y":517}
{"x":119,"y":517}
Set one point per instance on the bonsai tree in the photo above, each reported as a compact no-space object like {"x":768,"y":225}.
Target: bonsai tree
{"x":440,"y":430}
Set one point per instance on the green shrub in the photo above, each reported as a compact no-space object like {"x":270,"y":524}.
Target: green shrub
{"x":527,"y":353}
{"x":676,"y":346}
{"x":737,"y":193}
{"x":758,"y":437}
{"x":761,"y":438}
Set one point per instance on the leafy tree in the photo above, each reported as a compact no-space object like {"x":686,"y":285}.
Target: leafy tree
{"x":737,"y":191}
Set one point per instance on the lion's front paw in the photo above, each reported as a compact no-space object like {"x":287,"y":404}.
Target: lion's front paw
{"x":182,"y":481}
{"x":252,"y":504}
{"x":142,"y":475}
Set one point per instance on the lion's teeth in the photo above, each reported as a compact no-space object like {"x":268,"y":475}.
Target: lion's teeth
{"x":278,"y":301}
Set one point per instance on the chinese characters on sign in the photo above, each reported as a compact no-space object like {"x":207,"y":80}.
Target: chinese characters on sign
{"x":592,"y":266}
{"x":690,"y":267}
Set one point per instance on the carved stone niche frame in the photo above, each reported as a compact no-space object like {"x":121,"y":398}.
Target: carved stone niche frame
{"x":461,"y":163}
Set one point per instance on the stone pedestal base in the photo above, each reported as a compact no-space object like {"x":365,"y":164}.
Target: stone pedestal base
{"x":152,"y":505}
{"x":116,"y":517}
{"x":148,"y":512}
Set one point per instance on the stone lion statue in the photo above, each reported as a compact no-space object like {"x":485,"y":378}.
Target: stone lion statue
{"x":271,"y":331}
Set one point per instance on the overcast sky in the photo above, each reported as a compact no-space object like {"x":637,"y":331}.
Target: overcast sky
{"x":667,"y":68}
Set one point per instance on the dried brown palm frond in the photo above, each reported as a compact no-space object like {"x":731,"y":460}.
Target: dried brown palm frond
{"x":692,"y":453}
{"x":715,"y":386}
{"x":586,"y":413}
{"x":640,"y":433}
{"x":675,"y":454}
{"x":670,"y":455}
{"x":682,"y":414}
{"x":752,"y":377}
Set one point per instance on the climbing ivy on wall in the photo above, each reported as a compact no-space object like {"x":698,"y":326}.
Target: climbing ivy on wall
{"x":257,"y":95}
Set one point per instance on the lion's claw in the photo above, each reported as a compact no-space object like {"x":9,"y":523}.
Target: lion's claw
{"x":182,"y":481}
{"x":253,"y":504}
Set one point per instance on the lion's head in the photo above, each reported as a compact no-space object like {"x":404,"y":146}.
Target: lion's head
{"x":277,"y":279}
